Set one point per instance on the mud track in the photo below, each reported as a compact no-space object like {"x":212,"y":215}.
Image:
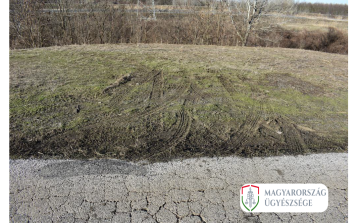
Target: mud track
{"x":173,"y":117}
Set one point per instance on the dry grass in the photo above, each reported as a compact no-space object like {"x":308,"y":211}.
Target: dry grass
{"x":315,"y":24}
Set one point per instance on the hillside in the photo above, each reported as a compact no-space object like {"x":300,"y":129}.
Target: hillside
{"x":159,"y":102}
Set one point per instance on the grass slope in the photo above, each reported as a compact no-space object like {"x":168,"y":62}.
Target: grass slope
{"x":159,"y":102}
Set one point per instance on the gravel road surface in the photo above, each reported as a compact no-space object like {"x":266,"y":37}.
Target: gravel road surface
{"x":192,"y":190}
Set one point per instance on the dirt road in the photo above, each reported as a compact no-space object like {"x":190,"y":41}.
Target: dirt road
{"x":192,"y":190}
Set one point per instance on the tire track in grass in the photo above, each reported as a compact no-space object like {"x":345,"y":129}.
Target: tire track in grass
{"x":181,"y":130}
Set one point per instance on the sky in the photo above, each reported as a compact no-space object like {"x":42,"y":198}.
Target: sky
{"x":326,"y":1}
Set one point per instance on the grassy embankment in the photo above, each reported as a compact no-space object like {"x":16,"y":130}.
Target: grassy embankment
{"x":159,"y":102}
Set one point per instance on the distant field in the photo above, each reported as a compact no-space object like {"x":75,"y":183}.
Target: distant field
{"x":160,"y":102}
{"x":315,"y":23}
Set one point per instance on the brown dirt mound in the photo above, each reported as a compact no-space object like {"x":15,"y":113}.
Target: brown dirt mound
{"x":165,"y":125}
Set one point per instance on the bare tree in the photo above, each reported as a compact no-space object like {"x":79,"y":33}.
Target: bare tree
{"x":27,"y":25}
{"x":246,"y":15}
{"x":153,"y":6}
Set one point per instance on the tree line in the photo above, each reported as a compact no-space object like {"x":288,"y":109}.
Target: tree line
{"x":39,"y":23}
{"x":321,"y":8}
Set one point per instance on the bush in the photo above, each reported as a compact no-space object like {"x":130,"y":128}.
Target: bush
{"x":32,"y":24}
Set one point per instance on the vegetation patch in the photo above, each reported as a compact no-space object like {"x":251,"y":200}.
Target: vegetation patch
{"x":286,"y":81}
{"x":160,"y":102}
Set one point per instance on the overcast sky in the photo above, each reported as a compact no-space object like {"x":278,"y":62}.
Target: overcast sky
{"x":326,"y":1}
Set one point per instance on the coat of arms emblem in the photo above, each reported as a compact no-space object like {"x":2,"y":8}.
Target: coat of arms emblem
{"x":250,"y":197}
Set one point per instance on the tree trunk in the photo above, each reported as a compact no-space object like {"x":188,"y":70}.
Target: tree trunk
{"x":246,"y":36}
